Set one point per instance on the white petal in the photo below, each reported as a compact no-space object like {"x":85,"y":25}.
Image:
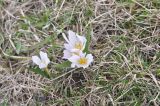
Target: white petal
{"x":64,"y":36}
{"x":36,"y":60}
{"x":83,"y":40}
{"x":89,"y":58}
{"x":82,"y":54}
{"x":75,"y":50}
{"x":42,"y":65}
{"x":84,"y":66}
{"x":72,"y":37}
{"x":44,"y":57}
{"x":73,"y":65}
{"x":67,"y":54}
{"x":74,"y":59}
{"x":67,"y":46}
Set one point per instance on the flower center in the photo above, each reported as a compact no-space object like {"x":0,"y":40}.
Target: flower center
{"x":78,"y":45}
{"x":82,"y":61}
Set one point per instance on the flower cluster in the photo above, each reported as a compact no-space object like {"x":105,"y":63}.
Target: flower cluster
{"x":74,"y":50}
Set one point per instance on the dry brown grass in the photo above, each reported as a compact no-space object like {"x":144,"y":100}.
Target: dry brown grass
{"x":125,"y":44}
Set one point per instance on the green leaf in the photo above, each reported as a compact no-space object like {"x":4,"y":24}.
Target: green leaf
{"x":86,"y":50}
{"x":64,"y":64}
{"x":40,"y":72}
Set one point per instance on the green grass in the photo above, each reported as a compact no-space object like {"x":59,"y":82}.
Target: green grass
{"x":123,"y":37}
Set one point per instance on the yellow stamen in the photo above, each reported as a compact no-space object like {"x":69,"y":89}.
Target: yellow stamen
{"x":82,"y":61}
{"x":78,"y":45}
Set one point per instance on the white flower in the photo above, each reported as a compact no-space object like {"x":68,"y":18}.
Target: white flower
{"x":68,"y":54}
{"x":74,"y":45}
{"x":43,"y":61}
{"x":82,"y":60}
